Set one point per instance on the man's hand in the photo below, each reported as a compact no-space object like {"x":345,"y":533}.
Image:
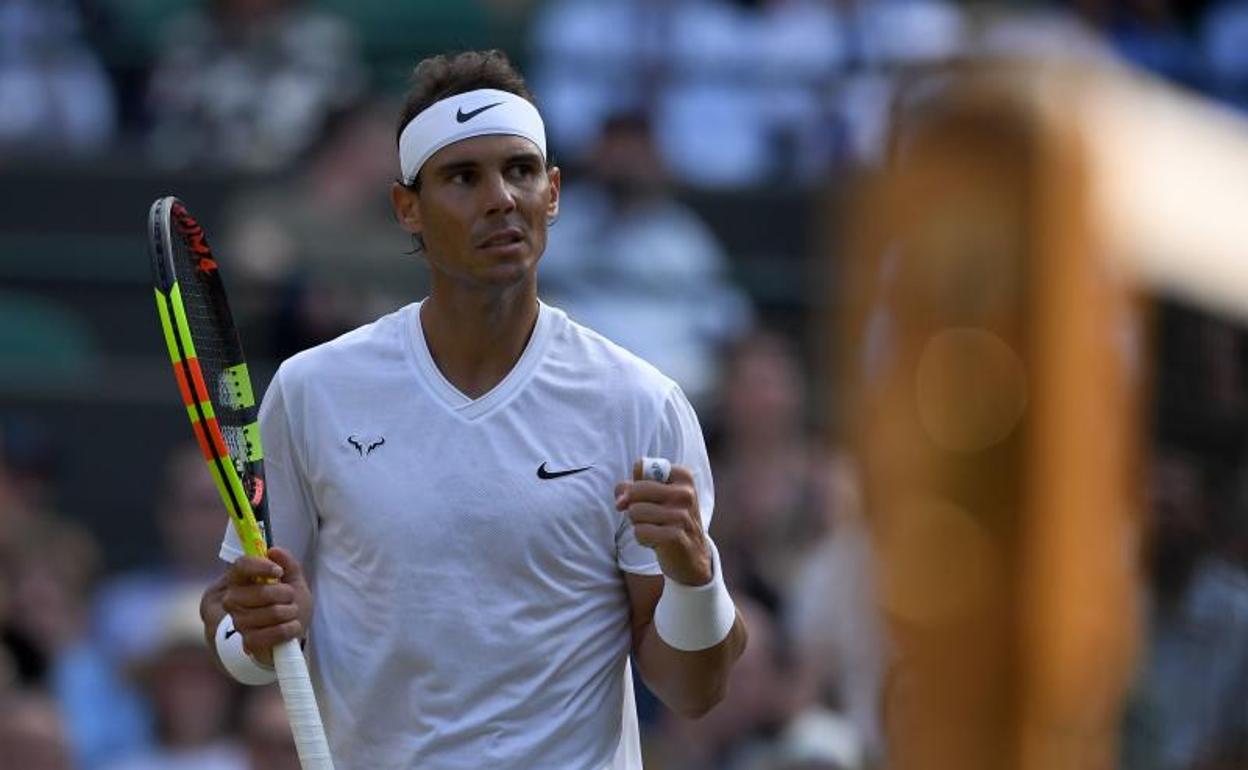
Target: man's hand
{"x":667,"y":519}
{"x":264,"y":612}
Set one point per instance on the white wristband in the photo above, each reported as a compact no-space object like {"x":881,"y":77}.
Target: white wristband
{"x":692,"y":618}
{"x":241,"y":666}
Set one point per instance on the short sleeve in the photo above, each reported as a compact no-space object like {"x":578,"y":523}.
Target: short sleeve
{"x":292,"y":512}
{"x":678,"y":438}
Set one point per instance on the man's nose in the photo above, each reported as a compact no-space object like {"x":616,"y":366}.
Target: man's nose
{"x":499,"y":197}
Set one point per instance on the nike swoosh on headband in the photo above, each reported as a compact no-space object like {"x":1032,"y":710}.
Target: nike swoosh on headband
{"x":464,"y":117}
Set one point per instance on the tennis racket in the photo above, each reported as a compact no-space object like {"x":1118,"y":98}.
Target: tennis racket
{"x":211,"y":373}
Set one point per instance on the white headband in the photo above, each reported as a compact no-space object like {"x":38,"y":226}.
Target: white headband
{"x":475,"y":113}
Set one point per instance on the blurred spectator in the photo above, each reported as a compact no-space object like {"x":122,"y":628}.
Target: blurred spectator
{"x":832,"y":615}
{"x":1188,"y":710}
{"x":31,"y":734}
{"x":325,"y":243}
{"x":789,"y":523}
{"x":51,"y":579}
{"x":267,"y":739}
{"x":744,"y":96}
{"x":735,"y":88}
{"x":593,"y":58}
{"x":249,"y":84}
{"x":191,"y":521}
{"x":190,"y":698}
{"x":631,"y":261}
{"x":55,"y":99}
{"x":768,"y":503}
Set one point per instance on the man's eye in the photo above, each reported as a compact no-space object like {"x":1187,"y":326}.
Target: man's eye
{"x":522,"y":171}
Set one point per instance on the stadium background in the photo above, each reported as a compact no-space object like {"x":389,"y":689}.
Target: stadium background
{"x":729,"y":130}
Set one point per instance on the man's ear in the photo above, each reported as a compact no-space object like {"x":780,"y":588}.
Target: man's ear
{"x":406,"y":208}
{"x":552,"y":207}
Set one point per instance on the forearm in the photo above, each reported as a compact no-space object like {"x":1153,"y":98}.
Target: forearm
{"x":688,"y":683}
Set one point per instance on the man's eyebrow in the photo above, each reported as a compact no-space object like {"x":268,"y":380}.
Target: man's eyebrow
{"x":455,"y":166}
{"x":525,"y":156}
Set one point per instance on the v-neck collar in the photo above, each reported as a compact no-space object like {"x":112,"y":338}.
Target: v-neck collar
{"x":455,"y":400}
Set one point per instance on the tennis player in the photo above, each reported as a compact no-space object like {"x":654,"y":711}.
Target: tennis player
{"x":493,"y":506}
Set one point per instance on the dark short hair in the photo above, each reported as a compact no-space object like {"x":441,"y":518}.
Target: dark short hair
{"x":438,"y":77}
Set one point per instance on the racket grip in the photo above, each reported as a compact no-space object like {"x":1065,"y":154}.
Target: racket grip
{"x":301,"y":709}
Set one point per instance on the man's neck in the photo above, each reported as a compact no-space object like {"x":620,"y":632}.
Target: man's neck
{"x":475,"y":340}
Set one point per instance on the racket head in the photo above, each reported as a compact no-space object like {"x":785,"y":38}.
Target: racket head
{"x":209,"y":366}
{"x":211,"y":372}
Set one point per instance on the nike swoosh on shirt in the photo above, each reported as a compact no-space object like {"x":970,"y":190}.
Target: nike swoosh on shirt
{"x":464,"y":117}
{"x":542,"y":473}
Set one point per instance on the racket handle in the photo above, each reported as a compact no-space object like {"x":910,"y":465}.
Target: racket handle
{"x":301,"y":710}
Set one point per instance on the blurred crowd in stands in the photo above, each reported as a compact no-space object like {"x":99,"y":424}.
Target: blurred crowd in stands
{"x":793,"y":88}
{"x":645,"y":100}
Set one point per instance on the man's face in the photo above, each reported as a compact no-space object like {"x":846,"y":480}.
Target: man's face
{"x":482,"y":210}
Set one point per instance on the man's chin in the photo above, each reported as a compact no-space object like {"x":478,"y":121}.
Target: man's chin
{"x":508,"y":273}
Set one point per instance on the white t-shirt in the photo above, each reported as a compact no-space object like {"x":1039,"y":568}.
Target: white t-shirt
{"x":469,"y":612}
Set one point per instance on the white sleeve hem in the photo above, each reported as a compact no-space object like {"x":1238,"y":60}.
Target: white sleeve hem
{"x":642,"y":569}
